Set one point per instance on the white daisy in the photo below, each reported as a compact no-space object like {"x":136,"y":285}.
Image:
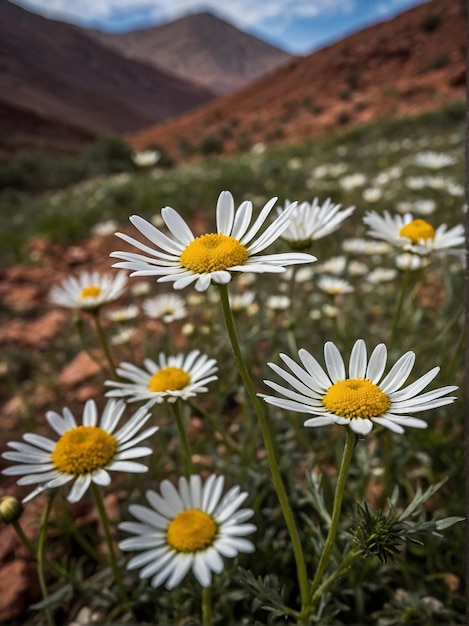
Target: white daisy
{"x":184,"y":259}
{"x":191,"y":527}
{"x":334,"y":285}
{"x":125,"y":314}
{"x":241,"y":301}
{"x":83,"y":453}
{"x":311,"y":221}
{"x":181,"y":376}
{"x":146,"y":158}
{"x":381,"y":275}
{"x":414,"y":235}
{"x":278,"y":303}
{"x":89,"y":290}
{"x":167,"y":306}
{"x":352,"y":181}
{"x":357,"y":245}
{"x":363,"y":398}
{"x":409,"y":261}
{"x":434,"y":160}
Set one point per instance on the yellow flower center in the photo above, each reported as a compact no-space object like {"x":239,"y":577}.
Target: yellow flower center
{"x":169,"y":379}
{"x":83,"y":449}
{"x":417,"y":230}
{"x":213,"y":252}
{"x":356,"y":397}
{"x":91,"y":291}
{"x":191,"y":530}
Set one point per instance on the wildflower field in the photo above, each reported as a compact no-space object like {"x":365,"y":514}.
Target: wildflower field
{"x":273,"y":429}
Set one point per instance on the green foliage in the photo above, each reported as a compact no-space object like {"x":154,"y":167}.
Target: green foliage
{"x":430,"y":23}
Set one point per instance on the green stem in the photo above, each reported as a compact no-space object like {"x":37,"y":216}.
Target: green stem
{"x":30,"y":546}
{"x":41,"y":540}
{"x":186,"y":449}
{"x":398,"y":310}
{"x":338,"y":496}
{"x":352,"y":556}
{"x":270,"y":451}
{"x":103,"y":340}
{"x":107,"y":534}
{"x":207,"y":606}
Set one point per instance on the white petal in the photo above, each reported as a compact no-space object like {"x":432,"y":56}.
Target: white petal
{"x":357,"y":365}
{"x":398,"y":373}
{"x":377,"y":363}
{"x":334,"y":362}
{"x":225,"y":213}
{"x":201,"y":569}
{"x":79,"y":488}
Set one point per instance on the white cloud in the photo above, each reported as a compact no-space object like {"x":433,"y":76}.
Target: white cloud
{"x":241,"y":12}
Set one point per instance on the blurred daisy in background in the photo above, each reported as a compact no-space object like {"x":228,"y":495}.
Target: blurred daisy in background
{"x":414,"y":235}
{"x":89,"y":290}
{"x":126,"y":314}
{"x":361,"y":399}
{"x":434,"y":160}
{"x":168,"y":307}
{"x":334,"y":285}
{"x":311,"y":221}
{"x":84,"y":453}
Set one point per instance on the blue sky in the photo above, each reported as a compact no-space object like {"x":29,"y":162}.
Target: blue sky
{"x":299,"y":26}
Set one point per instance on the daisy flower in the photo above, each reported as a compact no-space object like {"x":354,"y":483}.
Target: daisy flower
{"x":312,"y":221}
{"x":414,"y":235}
{"x":167,"y":306}
{"x":146,"y":158}
{"x":434,"y":160}
{"x":181,"y":376}
{"x":364,"y":397}
{"x":125,"y":314}
{"x":334,"y":285}
{"x":83,"y":453}
{"x":183,"y":259}
{"x":89,"y":290}
{"x":191,"y":527}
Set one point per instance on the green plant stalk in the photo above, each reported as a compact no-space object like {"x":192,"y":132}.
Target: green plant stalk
{"x":41,"y":540}
{"x":352,"y":556}
{"x":398,"y":310}
{"x":336,"y":509}
{"x":207,"y":606}
{"x":107,"y":534}
{"x":30,"y":546}
{"x":186,"y":449}
{"x":291,"y":314}
{"x":271,"y":455}
{"x":95,"y":313}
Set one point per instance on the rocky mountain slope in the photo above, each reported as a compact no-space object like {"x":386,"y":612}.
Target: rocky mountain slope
{"x":412,"y":63}
{"x":56,"y":73}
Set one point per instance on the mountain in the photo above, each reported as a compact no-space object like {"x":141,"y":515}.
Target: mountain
{"x":411,"y":63}
{"x":56,"y":74}
{"x":202,"y":48}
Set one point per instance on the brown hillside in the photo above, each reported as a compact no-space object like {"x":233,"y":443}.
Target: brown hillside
{"x":202,"y":48}
{"x":55,"y":71}
{"x":414,"y":62}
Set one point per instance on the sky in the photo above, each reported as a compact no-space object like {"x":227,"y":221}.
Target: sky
{"x":298,"y":26}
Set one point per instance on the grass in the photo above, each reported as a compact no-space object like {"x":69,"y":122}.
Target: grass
{"x":423,"y":582}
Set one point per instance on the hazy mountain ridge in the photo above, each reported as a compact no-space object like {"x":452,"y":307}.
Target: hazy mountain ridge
{"x":203,"y":48}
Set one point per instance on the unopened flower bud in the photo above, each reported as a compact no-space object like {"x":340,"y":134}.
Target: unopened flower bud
{"x":10,"y":509}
